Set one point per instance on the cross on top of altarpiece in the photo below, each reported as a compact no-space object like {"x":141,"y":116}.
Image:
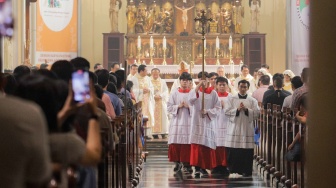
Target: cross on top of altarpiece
{"x":203,"y":19}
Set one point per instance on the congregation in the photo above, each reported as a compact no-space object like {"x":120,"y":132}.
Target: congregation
{"x":216,"y":134}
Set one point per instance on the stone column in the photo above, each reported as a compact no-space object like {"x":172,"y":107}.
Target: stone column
{"x":320,"y":152}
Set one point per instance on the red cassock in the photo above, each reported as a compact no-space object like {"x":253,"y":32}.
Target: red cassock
{"x":202,"y":156}
{"x":179,"y":153}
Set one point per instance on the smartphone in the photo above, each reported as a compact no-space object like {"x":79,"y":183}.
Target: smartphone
{"x":80,"y":85}
{"x":6,"y":18}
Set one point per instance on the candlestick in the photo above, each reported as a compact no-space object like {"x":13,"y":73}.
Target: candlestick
{"x":217,"y":52}
{"x":151,"y":55}
{"x":230,"y":43}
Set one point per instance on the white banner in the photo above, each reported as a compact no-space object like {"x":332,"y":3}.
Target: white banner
{"x":300,"y":12}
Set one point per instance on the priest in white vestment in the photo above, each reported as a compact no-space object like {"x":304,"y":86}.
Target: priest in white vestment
{"x":161,"y":95}
{"x":133,"y":71}
{"x":221,"y":72}
{"x":220,"y":129}
{"x":144,"y":91}
{"x":179,"y":129}
{"x":203,"y":122}
{"x":245,"y":75}
{"x":241,"y":110}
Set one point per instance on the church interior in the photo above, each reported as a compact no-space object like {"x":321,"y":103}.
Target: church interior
{"x":166,"y":38}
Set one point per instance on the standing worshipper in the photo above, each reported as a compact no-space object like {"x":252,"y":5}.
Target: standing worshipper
{"x":203,"y":122}
{"x":298,"y":93}
{"x":179,"y":129}
{"x":144,"y":91}
{"x":161,"y":95}
{"x":277,"y":96}
{"x":220,"y":130}
{"x":288,"y":76}
{"x":241,"y":110}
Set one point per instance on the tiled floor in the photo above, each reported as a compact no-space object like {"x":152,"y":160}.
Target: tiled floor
{"x":158,"y":172}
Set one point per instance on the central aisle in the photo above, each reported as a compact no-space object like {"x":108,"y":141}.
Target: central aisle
{"x":158,"y":172}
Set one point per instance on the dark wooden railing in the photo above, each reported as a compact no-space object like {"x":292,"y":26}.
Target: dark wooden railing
{"x":278,"y":128}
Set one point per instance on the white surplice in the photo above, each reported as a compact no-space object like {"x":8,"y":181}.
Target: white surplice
{"x":179,"y":128}
{"x":240,"y":129}
{"x":147,"y":99}
{"x":202,"y":129}
{"x":222,"y":121}
{"x":160,"y":108}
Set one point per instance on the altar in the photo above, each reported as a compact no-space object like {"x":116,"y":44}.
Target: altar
{"x":164,"y":33}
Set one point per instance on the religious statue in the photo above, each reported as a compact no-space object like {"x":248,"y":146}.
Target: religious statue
{"x":184,"y":15}
{"x":168,"y":23}
{"x":226,"y":18}
{"x":131,"y":17}
{"x":115,"y":5}
{"x":139,"y":25}
{"x":238,"y":14}
{"x":198,"y":25}
{"x":158,"y":23}
{"x":255,"y":12}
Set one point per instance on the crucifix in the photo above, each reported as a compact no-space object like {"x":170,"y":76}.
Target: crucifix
{"x":203,"y":20}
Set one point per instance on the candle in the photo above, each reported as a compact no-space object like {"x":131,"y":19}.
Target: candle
{"x":204,"y":43}
{"x":151,"y":42}
{"x":164,"y":42}
{"x":230,"y":42}
{"x":217,"y":42}
{"x":184,"y":1}
{"x":139,"y":42}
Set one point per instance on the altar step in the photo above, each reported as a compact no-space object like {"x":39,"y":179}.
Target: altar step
{"x":157,"y":147}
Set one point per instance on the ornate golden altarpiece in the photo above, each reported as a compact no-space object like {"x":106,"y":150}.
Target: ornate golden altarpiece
{"x":174,"y":20}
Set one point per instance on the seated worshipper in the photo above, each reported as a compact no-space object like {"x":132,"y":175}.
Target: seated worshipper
{"x":296,"y":83}
{"x":299,"y":92}
{"x":25,"y":158}
{"x":183,"y":67}
{"x":203,"y":123}
{"x":301,"y":116}
{"x":103,"y":80}
{"x":179,"y":127}
{"x":241,"y":110}
{"x":65,"y":147}
{"x":288,"y":76}
{"x":20,"y":71}
{"x":264,"y":82}
{"x":129,"y":88}
{"x":220,"y":130}
{"x":277,"y":96}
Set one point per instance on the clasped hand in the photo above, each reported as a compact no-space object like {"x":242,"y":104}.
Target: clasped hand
{"x":183,"y":105}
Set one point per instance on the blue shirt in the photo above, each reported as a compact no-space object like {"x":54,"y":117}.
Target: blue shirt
{"x":115,"y":101}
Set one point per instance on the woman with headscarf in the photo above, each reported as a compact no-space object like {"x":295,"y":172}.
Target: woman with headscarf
{"x":288,"y":75}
